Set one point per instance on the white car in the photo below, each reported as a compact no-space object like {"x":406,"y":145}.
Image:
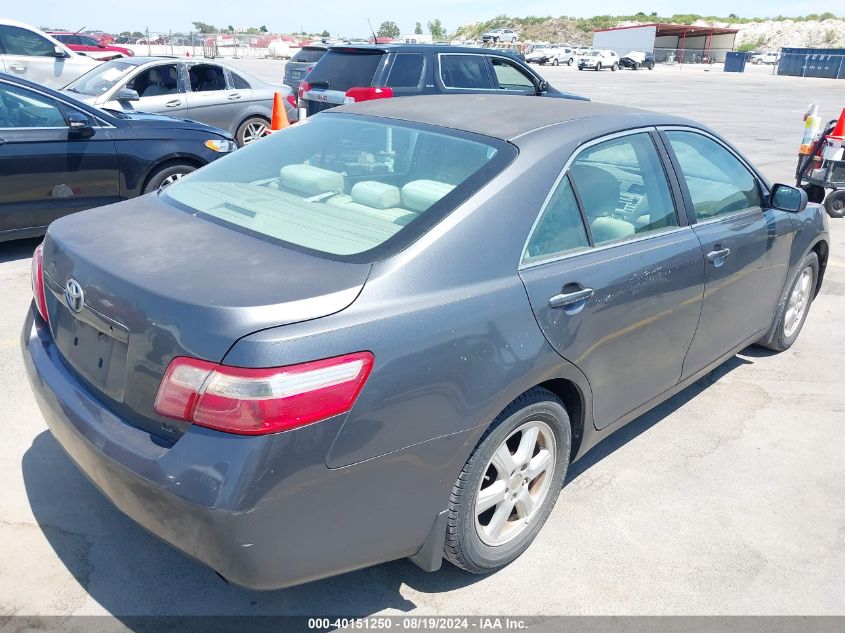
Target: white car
{"x":539,"y":53}
{"x":765,"y":58}
{"x":563,"y":55}
{"x":598,"y":59}
{"x":32,"y":54}
{"x":500,"y":35}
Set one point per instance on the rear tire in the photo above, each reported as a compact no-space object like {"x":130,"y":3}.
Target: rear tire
{"x":570,"y":61}
{"x":794,"y":305}
{"x":525,"y":453}
{"x":636,"y":65}
{"x":615,"y":67}
{"x":251,"y":130}
{"x":651,"y":65}
{"x":167,"y":175}
{"x":834,"y":204}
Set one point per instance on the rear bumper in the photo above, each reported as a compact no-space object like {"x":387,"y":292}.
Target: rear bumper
{"x":264,"y":512}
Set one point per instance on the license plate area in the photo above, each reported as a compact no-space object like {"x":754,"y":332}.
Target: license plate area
{"x":295,"y":74}
{"x":98,"y":357}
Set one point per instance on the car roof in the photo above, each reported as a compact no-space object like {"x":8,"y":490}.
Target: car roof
{"x":422,"y":48}
{"x":504,"y":116}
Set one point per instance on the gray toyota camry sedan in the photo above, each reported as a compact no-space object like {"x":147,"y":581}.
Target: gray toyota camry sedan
{"x":388,"y":331}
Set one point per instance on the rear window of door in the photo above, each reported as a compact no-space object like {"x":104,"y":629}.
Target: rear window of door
{"x":21,"y":108}
{"x":509,"y":76}
{"x":717,"y":181}
{"x":342,"y":70}
{"x":18,"y":41}
{"x":623,"y":189}
{"x":406,"y":71}
{"x":465,"y":71}
{"x":207,"y":78}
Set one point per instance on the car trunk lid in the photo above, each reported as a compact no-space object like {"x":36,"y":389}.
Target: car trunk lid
{"x":158,"y":282}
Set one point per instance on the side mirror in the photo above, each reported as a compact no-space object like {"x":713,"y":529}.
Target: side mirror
{"x":127,"y":94}
{"x":59,"y":52}
{"x":78,"y":125}
{"x":788,"y":198}
{"x":543,"y":86}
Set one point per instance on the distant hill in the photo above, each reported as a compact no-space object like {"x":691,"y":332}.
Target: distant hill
{"x":825,"y":30}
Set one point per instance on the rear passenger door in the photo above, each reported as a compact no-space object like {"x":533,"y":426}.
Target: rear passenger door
{"x":613,"y":274}
{"x":746,"y":244}
{"x":463,"y":72}
{"x":407,"y":74}
{"x":208,"y":96}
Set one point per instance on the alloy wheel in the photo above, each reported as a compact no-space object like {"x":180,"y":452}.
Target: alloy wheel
{"x":515,"y":484}
{"x":797,"y":303}
{"x":254,"y":131}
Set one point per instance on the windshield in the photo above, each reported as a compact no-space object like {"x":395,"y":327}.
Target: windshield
{"x":352,"y":187}
{"x":593,"y":53}
{"x":102,"y":78}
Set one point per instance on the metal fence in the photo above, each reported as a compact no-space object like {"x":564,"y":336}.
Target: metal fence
{"x":211,"y":45}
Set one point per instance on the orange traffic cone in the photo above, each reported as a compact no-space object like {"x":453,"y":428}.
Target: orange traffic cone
{"x":280,"y":115}
{"x":839,"y":130}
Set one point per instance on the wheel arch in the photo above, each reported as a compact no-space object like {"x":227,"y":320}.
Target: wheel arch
{"x":167,"y":162}
{"x":821,"y":249}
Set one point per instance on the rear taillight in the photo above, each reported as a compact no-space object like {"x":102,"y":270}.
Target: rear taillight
{"x":367,"y":93}
{"x":304,"y":87}
{"x":38,"y":281}
{"x":291,"y":100}
{"x":259,"y":401}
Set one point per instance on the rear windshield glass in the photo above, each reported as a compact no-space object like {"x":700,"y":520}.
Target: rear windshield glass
{"x":309,"y":55}
{"x":340,"y":70}
{"x":350,"y":187}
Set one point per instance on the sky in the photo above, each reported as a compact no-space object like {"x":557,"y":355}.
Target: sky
{"x":349,"y":17}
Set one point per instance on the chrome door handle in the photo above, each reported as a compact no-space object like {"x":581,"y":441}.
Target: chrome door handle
{"x":567,"y":299}
{"x":18,"y":69}
{"x":2,"y":141}
{"x":718,"y":256}
{"x":234,"y":96}
{"x":173,"y":104}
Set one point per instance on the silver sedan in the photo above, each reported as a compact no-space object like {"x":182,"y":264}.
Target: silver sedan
{"x":203,"y":90}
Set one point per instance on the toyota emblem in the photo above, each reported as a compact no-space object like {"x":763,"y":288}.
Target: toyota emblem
{"x":74,"y":296}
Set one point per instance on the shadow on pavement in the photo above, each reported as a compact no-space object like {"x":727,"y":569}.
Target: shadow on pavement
{"x":132,"y":573}
{"x":17,"y":249}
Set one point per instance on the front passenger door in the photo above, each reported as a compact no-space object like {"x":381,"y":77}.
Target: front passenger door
{"x":746,"y":245}
{"x":510,"y":78}
{"x":613,"y":276}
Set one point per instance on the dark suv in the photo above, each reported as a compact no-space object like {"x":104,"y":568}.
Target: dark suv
{"x":302,"y":63}
{"x":347,"y":74}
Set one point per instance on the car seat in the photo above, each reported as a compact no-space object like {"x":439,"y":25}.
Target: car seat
{"x":208,"y":79}
{"x":162,"y":81}
{"x":599,"y":192}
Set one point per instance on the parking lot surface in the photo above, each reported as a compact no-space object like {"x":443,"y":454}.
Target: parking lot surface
{"x":727,"y":499}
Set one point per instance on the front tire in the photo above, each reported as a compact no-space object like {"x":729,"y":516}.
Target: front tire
{"x":794,"y":306}
{"x":555,"y":62}
{"x":598,"y":67}
{"x":167,"y":175}
{"x":510,"y":483}
{"x":834,"y":204}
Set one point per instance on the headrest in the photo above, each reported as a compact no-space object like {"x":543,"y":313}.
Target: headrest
{"x":598,"y":188}
{"x":310,"y":180}
{"x":419,"y":195}
{"x":155,"y":76}
{"x":376,"y":194}
{"x":609,"y":229}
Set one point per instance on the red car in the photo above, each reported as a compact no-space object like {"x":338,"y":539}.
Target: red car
{"x":90,"y":46}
